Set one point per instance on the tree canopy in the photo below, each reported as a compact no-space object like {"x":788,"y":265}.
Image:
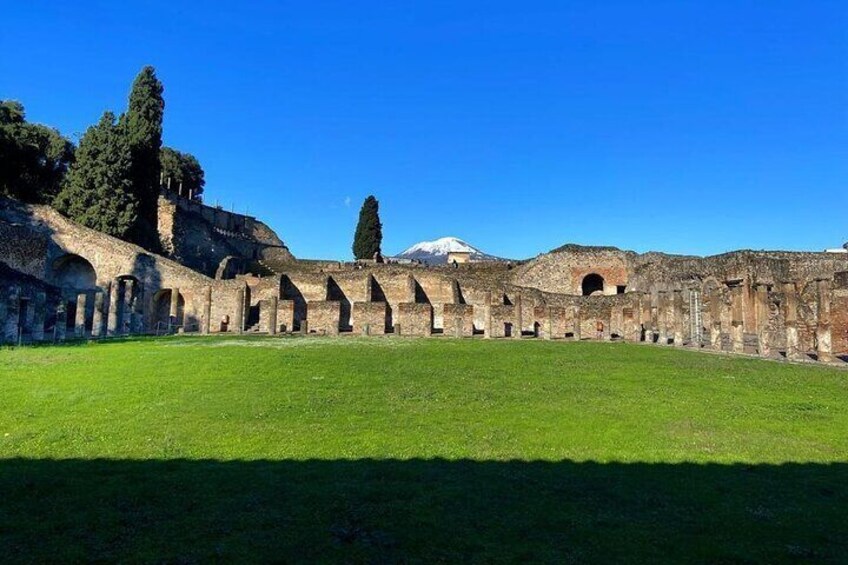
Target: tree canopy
{"x":183,"y":170}
{"x":33,"y":158}
{"x":142,"y":125}
{"x":98,"y":189}
{"x":369,"y":231}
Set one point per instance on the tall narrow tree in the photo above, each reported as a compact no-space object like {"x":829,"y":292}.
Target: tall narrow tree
{"x":143,"y":127}
{"x":369,"y":230}
{"x":97,"y":191}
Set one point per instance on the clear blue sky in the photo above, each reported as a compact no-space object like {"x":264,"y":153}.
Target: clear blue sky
{"x":689,"y":127}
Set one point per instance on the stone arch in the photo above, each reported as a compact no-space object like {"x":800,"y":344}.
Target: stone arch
{"x":593,"y":284}
{"x":161,"y":319}
{"x":71,"y":271}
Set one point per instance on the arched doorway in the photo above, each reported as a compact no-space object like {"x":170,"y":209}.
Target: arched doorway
{"x":161,"y":320}
{"x":593,"y":284}
{"x":73,"y":272}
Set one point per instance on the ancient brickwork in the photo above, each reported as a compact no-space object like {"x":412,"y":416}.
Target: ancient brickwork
{"x":415,"y":319}
{"x":369,"y":318}
{"x":323,"y":317}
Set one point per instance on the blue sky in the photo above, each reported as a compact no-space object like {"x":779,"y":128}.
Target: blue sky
{"x":687,"y":127}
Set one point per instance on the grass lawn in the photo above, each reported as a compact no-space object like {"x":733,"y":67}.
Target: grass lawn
{"x":418,"y":450}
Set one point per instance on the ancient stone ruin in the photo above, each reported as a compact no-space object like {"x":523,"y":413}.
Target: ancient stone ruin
{"x":222,"y":272}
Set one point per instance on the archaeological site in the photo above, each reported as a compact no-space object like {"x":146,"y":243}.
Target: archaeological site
{"x":222,"y":272}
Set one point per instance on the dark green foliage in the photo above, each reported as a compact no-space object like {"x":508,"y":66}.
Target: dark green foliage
{"x":143,"y":127}
{"x":369,"y":230}
{"x":33,"y":158}
{"x":98,"y":190}
{"x":184,"y":172}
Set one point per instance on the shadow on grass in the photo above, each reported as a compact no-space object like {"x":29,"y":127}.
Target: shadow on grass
{"x":420,"y":510}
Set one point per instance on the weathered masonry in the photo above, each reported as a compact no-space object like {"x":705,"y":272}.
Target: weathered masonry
{"x":59,"y":281}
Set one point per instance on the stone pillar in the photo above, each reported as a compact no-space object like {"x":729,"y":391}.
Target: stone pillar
{"x":410,"y":289}
{"x":790,"y":317}
{"x":677,"y":316}
{"x":519,"y":321}
{"x":577,"y":328}
{"x":13,"y":315}
{"x":238,"y":319}
{"x":369,"y":288}
{"x":97,"y":318}
{"x":127,"y":310}
{"x":40,"y":313}
{"x":112,"y":318}
{"x":174,"y":311}
{"x":4,"y":312}
{"x":645,"y":317}
{"x":206,"y":324}
{"x":456,"y":295}
{"x":487,"y":316}
{"x":762,"y":311}
{"x":29,"y":317}
{"x":79,"y":322}
{"x":824,"y":348}
{"x":631,"y":327}
{"x":272,"y":316}
{"x":61,"y":326}
{"x":662,"y":317}
{"x":716,"y":309}
{"x":549,"y":323}
{"x":737,"y":320}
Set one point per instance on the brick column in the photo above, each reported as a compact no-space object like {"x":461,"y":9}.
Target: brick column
{"x":97,"y":319}
{"x":410,"y":289}
{"x":127,"y":310}
{"x":174,"y":309}
{"x":369,"y":288}
{"x":112,"y":318}
{"x":577,"y":328}
{"x":824,"y":349}
{"x":519,"y":321}
{"x":716,"y":309}
{"x":4,"y":312}
{"x":137,"y":323}
{"x":762,"y":310}
{"x":737,"y":320}
{"x":206,"y":324}
{"x":238,"y":319}
{"x":456,"y":294}
{"x":645,"y":316}
{"x":677,"y":317}
{"x":790,"y":317}
{"x":487,"y":316}
{"x":61,"y":327}
{"x":29,"y":317}
{"x":79,"y":321}
{"x":40,"y":313}
{"x":662,"y":317}
{"x":13,"y":314}
{"x":272,"y":315}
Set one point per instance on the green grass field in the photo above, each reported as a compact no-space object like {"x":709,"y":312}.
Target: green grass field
{"x":432,"y":450}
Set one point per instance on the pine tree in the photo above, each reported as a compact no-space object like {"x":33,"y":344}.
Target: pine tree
{"x":143,"y":127}
{"x":369,"y":230}
{"x":98,"y":191}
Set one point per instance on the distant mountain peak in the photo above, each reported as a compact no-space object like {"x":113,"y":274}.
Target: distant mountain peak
{"x":436,"y":251}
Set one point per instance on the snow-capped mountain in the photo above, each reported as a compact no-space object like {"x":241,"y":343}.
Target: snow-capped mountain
{"x":436,"y":251}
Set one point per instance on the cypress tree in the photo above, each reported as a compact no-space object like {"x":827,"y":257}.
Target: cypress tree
{"x":97,"y":191}
{"x":369,"y":230}
{"x":143,"y":127}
